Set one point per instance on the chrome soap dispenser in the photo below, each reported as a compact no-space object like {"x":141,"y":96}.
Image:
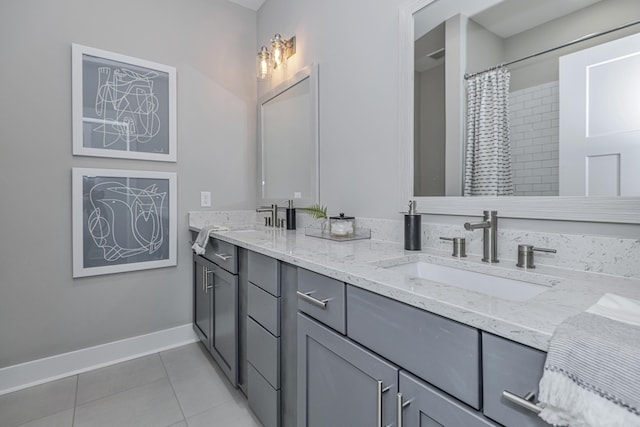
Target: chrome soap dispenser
{"x":412,"y":228}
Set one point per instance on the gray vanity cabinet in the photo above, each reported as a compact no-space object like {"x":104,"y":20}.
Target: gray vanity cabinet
{"x":513,"y":368}
{"x":201,"y":298}
{"x":271,"y":340}
{"x":422,"y":405}
{"x":441,"y":351}
{"x":216,"y":304}
{"x":224,"y":336}
{"x":339,"y":382}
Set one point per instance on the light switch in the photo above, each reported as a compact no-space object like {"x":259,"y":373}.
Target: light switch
{"x":205,"y":199}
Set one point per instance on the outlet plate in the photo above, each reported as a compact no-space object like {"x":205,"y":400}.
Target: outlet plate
{"x":205,"y":199}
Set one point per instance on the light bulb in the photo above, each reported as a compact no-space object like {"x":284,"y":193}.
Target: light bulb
{"x":263,"y":61}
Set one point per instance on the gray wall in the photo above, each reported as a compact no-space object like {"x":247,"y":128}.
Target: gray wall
{"x":43,"y":311}
{"x":355,"y":43}
{"x":429,"y":145}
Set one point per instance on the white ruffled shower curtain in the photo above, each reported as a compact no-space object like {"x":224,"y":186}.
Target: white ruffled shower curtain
{"x":488,"y":149}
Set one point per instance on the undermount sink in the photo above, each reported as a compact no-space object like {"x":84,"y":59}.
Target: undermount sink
{"x":501,"y":287}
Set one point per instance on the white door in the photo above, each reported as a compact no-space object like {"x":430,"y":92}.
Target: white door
{"x":600,"y":120}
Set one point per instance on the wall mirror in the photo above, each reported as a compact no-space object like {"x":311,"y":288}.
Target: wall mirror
{"x":573,"y":127}
{"x":288,"y":141}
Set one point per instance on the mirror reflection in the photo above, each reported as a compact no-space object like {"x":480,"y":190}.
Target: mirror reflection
{"x":288,"y":142}
{"x":559,"y":118}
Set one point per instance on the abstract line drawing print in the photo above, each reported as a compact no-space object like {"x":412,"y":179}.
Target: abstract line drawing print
{"x":126,"y":105}
{"x":126,"y":221}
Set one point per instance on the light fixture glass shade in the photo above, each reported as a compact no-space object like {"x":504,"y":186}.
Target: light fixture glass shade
{"x":278,"y":50}
{"x":263,"y":64}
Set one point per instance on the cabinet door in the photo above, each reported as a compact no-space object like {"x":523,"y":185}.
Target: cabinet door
{"x":422,"y":405}
{"x":340,"y":383}
{"x":225,"y":322}
{"x":202,"y":287}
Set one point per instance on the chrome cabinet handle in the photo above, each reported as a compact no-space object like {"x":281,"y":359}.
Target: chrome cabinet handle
{"x":381,"y":390}
{"x":308,"y":298}
{"x":400,"y":406}
{"x":525,"y":402}
{"x":205,"y":280}
{"x":224,"y":257}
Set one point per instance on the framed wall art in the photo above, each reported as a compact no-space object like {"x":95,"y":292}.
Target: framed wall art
{"x":123,"y":220}
{"x":123,"y":107}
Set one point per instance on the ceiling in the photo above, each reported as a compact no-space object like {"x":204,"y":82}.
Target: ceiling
{"x":249,"y":4}
{"x":514,"y":16}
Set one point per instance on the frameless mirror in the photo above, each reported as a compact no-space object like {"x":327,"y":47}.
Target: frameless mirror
{"x":573,"y":132}
{"x":288,"y":141}
{"x":544,"y":93}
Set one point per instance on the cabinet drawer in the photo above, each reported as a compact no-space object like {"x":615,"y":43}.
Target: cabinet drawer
{"x":263,"y":352}
{"x":428,"y":406}
{"x":507,"y":365}
{"x":324,"y":300}
{"x":264,"y":308}
{"x":264,"y":400}
{"x":443,"y":352}
{"x":264,"y":272}
{"x":223,"y":254}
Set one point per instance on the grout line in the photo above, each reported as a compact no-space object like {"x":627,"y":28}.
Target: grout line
{"x":124,"y":389}
{"x":173,"y":389}
{"x":75,"y":401}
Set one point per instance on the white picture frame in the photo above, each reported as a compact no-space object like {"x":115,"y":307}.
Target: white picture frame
{"x":123,"y":220}
{"x":122,"y":107}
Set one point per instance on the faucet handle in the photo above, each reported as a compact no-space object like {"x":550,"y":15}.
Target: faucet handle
{"x":525,"y":255}
{"x":459,"y":246}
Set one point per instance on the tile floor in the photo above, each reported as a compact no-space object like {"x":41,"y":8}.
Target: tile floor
{"x":181,"y":387}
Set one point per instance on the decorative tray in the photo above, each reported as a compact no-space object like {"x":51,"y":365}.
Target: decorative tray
{"x":359,"y":234}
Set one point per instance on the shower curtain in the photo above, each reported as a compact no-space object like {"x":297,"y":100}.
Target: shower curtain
{"x":488,"y":149}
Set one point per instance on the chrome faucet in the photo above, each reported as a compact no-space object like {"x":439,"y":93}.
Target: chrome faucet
{"x":273,"y":220}
{"x":489,"y":227}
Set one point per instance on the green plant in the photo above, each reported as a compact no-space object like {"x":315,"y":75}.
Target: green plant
{"x":316,"y":211}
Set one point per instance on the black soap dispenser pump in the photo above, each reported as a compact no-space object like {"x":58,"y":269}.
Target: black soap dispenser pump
{"x":412,"y":229}
{"x":291,"y":216}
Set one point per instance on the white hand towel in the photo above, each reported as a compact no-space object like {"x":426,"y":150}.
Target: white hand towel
{"x":200,"y":245}
{"x":592,"y":373}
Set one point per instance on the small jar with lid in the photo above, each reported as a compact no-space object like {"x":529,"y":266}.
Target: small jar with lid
{"x":342,"y":226}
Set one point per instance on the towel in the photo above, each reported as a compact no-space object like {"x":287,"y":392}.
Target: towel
{"x":200,"y":245}
{"x":592,"y":372}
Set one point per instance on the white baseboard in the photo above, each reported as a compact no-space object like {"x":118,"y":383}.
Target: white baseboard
{"x":23,"y":375}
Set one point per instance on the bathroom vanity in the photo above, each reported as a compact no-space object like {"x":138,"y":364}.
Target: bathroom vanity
{"x":335,"y":335}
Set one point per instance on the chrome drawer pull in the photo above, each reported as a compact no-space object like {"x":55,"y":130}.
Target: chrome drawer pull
{"x":224,"y":257}
{"x":526,"y":402}
{"x":380,"y":391}
{"x":400,"y":406}
{"x":308,"y":298}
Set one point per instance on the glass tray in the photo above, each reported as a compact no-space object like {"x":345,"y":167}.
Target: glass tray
{"x":359,"y":234}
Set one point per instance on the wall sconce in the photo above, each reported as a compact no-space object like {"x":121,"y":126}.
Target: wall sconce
{"x":268,"y":60}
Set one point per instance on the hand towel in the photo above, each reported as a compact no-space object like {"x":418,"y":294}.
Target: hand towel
{"x":592,"y":372}
{"x":200,"y":245}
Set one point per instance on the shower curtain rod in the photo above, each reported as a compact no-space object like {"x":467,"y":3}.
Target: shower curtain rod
{"x":578,"y":40}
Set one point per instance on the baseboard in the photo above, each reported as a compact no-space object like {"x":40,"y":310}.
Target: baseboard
{"x":17,"y":377}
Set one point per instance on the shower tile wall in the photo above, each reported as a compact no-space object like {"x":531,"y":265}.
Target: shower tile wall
{"x":534,"y":140}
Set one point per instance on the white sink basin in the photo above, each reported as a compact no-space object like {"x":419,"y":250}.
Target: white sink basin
{"x":511,"y":289}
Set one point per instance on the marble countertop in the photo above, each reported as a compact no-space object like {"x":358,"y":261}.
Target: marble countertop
{"x":362,"y":263}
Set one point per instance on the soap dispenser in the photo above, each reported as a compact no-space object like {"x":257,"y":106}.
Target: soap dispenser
{"x":291,"y":216}
{"x":412,"y":228}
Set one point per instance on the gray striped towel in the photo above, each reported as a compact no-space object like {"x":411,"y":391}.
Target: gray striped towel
{"x":592,"y":373}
